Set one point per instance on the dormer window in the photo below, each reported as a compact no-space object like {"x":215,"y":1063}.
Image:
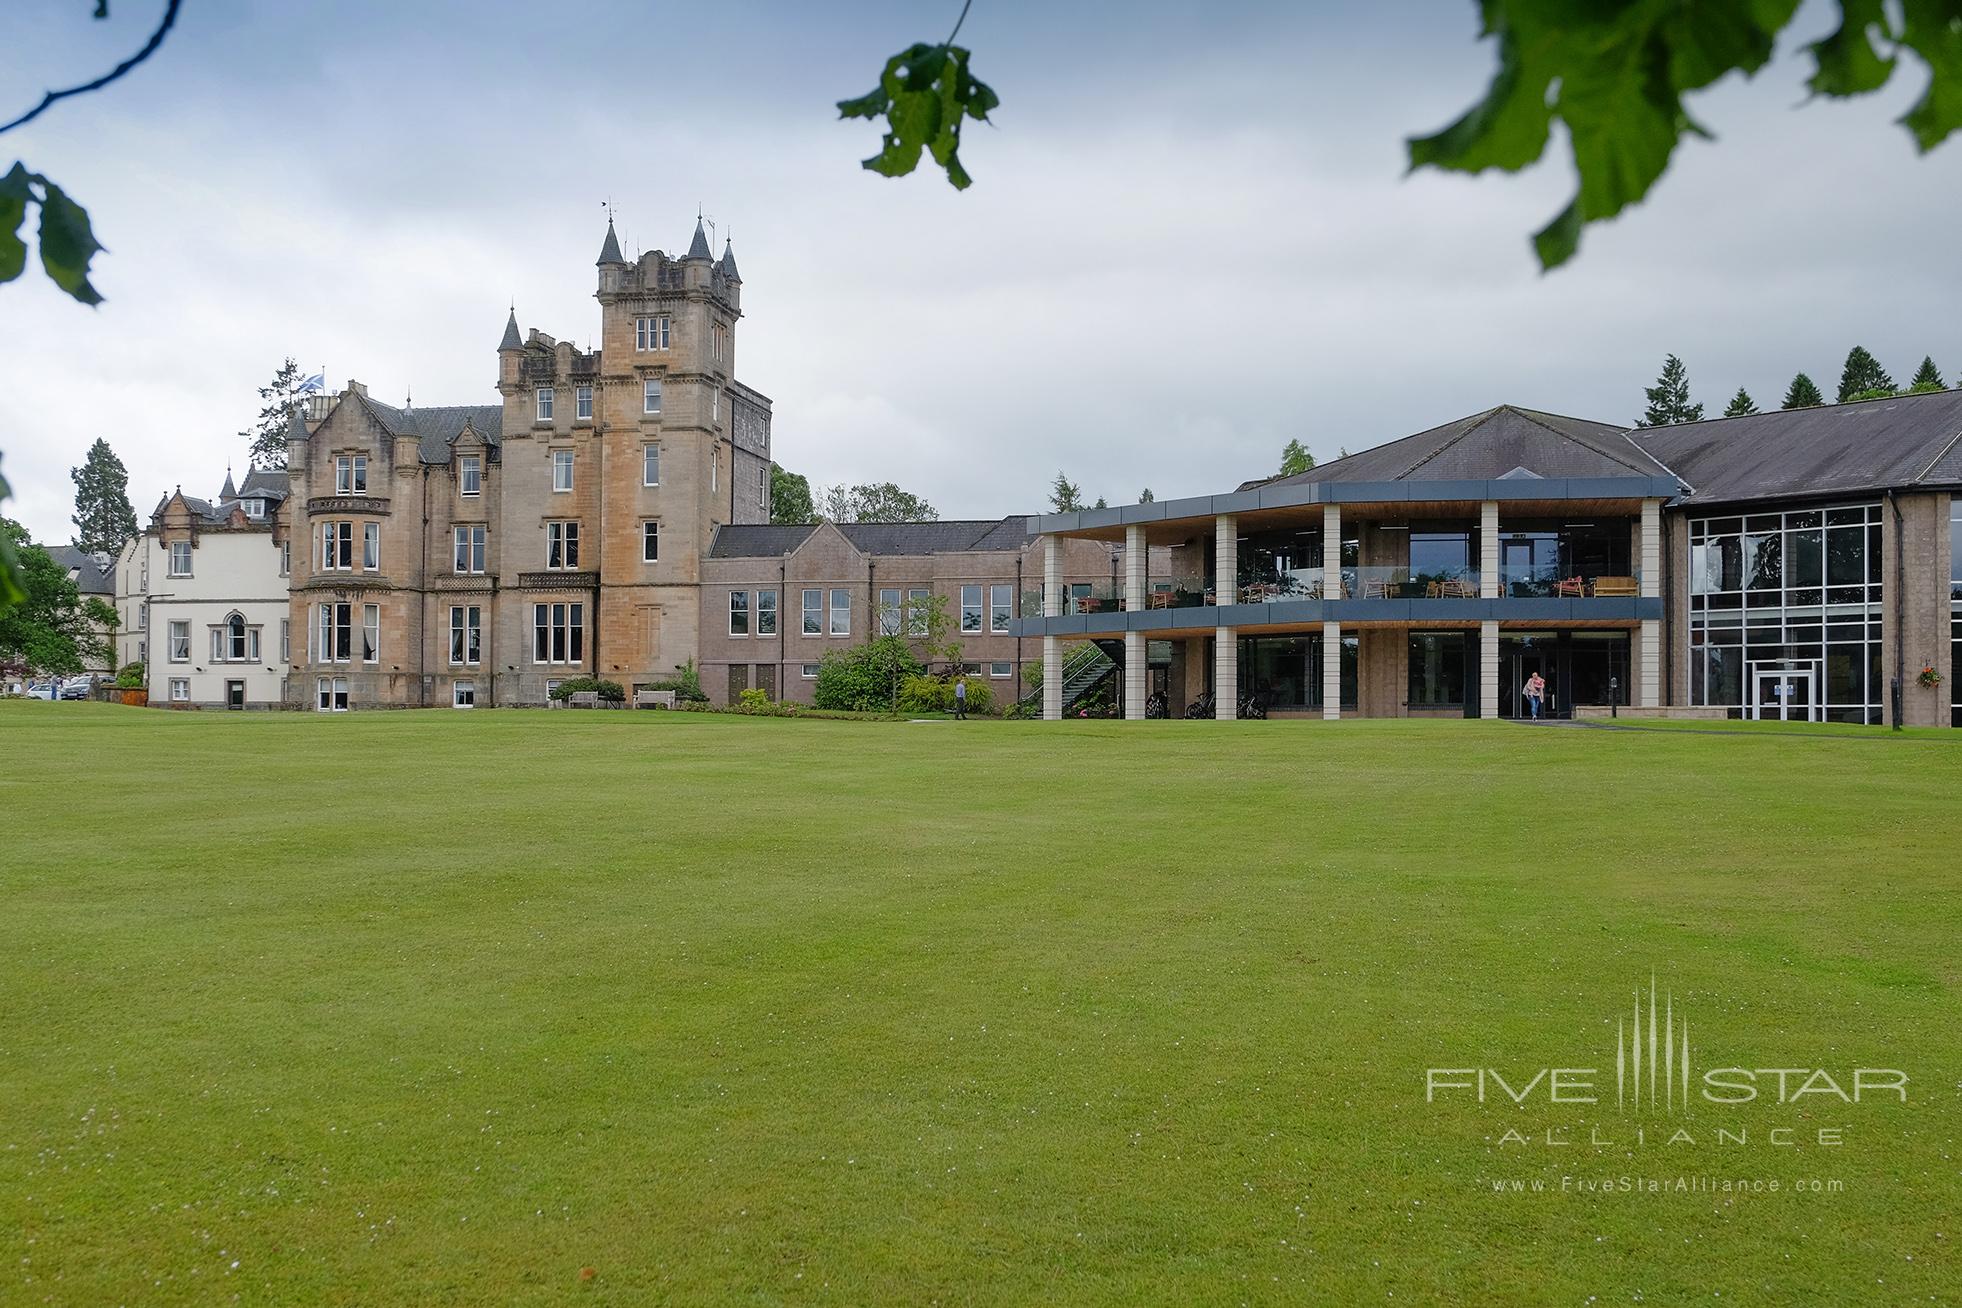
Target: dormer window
{"x":544,"y":403}
{"x":255,"y":508}
{"x":470,"y":475}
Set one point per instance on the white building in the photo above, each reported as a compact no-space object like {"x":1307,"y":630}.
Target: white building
{"x":202,"y":597}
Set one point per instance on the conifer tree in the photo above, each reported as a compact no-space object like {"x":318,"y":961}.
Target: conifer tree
{"x":103,"y":518}
{"x":1803,"y":393}
{"x":1669,"y":398}
{"x":1295,"y":459}
{"x":268,"y":436}
{"x":1741,"y":405}
{"x":1927,"y":377}
{"x":1862,"y":376}
{"x":1065,"y":496}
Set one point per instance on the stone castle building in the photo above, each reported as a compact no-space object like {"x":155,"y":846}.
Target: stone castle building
{"x":608,"y":516}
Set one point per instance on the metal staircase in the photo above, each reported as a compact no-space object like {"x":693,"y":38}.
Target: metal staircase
{"x":1085,"y":668}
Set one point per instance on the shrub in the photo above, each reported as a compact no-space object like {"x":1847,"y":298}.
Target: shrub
{"x":130,"y":677}
{"x":754,"y":700}
{"x":863,"y":679}
{"x":685,"y":683}
{"x":980,"y":696}
{"x":611,"y":692}
{"x":925,"y":695}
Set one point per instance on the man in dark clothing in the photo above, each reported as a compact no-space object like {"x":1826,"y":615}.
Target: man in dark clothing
{"x":960,"y":699}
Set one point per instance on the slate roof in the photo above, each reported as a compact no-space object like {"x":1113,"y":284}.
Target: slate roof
{"x":267,"y":483}
{"x":1862,"y":447}
{"x":729,"y":262}
{"x":436,"y":427}
{"x":699,"y":247}
{"x":610,"y":251}
{"x":1497,"y":443}
{"x":512,"y":340}
{"x":91,"y":577}
{"x":773,"y":540}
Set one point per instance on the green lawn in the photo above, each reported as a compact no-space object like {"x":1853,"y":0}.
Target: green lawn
{"x":447,"y":1008}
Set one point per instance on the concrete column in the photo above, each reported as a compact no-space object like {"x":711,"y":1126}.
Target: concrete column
{"x":1488,"y":555}
{"x":1136,"y":554}
{"x":1488,"y":668}
{"x":1331,"y":551}
{"x":1226,"y":674}
{"x":1651,"y":560}
{"x":1052,"y":577}
{"x":1648,"y":663}
{"x":1331,"y":671}
{"x":1134,"y":675}
{"x":1052,"y":679}
{"x":1226,"y":559}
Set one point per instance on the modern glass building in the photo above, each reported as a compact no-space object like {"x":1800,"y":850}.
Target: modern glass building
{"x":1803,"y":564}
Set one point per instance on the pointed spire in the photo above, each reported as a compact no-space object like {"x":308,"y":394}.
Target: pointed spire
{"x":229,"y":493}
{"x":729,"y":262}
{"x":699,"y":247}
{"x":296,"y":426}
{"x":511,"y":341}
{"x":610,"y":251}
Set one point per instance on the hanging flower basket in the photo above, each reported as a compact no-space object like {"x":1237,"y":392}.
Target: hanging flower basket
{"x":1929,"y":677}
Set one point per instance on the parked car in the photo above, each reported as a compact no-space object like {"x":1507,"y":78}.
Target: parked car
{"x":77,"y":687}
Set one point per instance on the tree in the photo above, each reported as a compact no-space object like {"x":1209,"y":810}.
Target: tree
{"x":1145,"y":496}
{"x":1065,"y":496}
{"x":1862,"y":375}
{"x":1669,"y":398}
{"x":875,"y":502}
{"x":1741,"y":405}
{"x":1295,"y":459}
{"x":52,"y":630}
{"x":278,"y":399}
{"x":1803,"y":393}
{"x":103,"y":518}
{"x":1927,"y":377}
{"x":790,"y":496}
{"x":1100,"y":504}
{"x":1613,"y":74}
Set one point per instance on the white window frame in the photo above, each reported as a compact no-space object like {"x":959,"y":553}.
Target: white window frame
{"x":330,"y":694}
{"x":739,"y":614}
{"x":892,"y":610}
{"x":650,"y":397}
{"x":336,"y":547}
{"x":371,"y":633}
{"x":180,"y":690}
{"x":650,"y":465}
{"x":180,"y":639}
{"x":350,"y":474}
{"x":336,"y":620}
{"x":650,"y":536}
{"x":561,"y":471}
{"x":841,"y":612}
{"x":371,"y":546}
{"x":470,"y":475}
{"x":255,"y":508}
{"x":582,"y":402}
{"x":285,"y":558}
{"x":653,"y":332}
{"x":978,"y":608}
{"x":916,"y":609}
{"x":546,"y":399}
{"x":1001,"y":609}
{"x":172,"y":565}
{"x":764,"y":614}
{"x":286,"y":640}
{"x":562,"y":626}
{"x":466,"y":635}
{"x":811,"y":603}
{"x":469,"y":548}
{"x":1001,"y":671}
{"x":808,"y":671}
{"x":459,"y":689}
{"x":562,"y":545}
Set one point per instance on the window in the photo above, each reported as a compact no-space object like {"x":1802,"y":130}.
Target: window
{"x":371,"y":627}
{"x":229,"y":643}
{"x":466,"y":633}
{"x":285,"y":557}
{"x":766,"y":613}
{"x":650,"y":542}
{"x":582,"y":402}
{"x":371,"y":545}
{"x":561,"y":545}
{"x":558,"y":633}
{"x":255,"y":508}
{"x":808,"y":671}
{"x":1001,"y":607}
{"x":351,"y":474}
{"x":652,"y":333}
{"x":332,"y":692}
{"x":650,"y":465}
{"x":970,"y":609}
{"x":463,"y":694}
{"x":336,"y":546}
{"x":180,"y":690}
{"x":180,"y":558}
{"x":650,"y":395}
{"x":841,"y":612}
{"x":718,"y":342}
{"x":469,"y":549}
{"x":813,"y":612}
{"x":1000,"y":671}
{"x":336,"y":639}
{"x":180,"y":640}
{"x":1437,"y":668}
{"x":715,"y":406}
{"x":551,"y":684}
{"x":544,"y":395}
{"x":918,"y":602}
{"x":470,"y":475}
{"x":143,"y":615}
{"x":889,"y":611}
{"x":738,"y":613}
{"x":561,"y":470}
{"x":285,"y":640}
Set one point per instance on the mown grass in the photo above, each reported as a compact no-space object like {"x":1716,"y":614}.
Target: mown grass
{"x":449,"y":1008}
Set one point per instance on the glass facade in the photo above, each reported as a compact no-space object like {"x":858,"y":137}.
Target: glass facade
{"x":1438,"y":667}
{"x":1536,"y":556}
{"x":1785,"y":613}
{"x":1285,"y":672}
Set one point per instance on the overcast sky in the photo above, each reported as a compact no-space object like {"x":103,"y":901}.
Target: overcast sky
{"x":1189,"y":239}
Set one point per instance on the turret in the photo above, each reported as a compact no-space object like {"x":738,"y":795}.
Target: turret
{"x":509,"y":351}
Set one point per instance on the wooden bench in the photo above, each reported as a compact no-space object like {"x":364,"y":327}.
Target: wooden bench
{"x":661,"y":699}
{"x":583,"y":699}
{"x":1617,"y":587}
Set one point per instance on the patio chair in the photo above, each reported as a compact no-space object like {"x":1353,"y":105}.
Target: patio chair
{"x":1376,"y":588}
{"x":1455,"y":588}
{"x":1570,"y":588}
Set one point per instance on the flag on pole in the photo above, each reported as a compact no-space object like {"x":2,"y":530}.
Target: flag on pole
{"x":314,"y":383}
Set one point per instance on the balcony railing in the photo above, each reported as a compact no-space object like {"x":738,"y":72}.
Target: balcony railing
{"x":1358,"y":583}
{"x":1545,"y":583}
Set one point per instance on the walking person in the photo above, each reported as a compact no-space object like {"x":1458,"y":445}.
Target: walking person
{"x":1535,"y":691}
{"x":960,"y":699}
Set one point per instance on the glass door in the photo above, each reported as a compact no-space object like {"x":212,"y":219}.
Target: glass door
{"x":1783,"y":697}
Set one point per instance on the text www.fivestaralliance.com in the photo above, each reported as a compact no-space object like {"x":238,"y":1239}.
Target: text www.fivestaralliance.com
{"x":1676,"y":1183}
